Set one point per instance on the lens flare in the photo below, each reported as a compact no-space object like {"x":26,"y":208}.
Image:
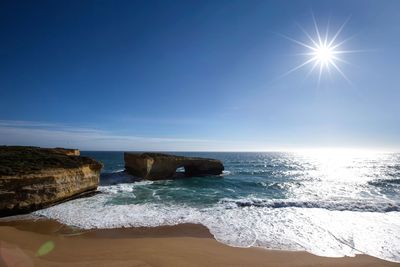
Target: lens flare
{"x":45,"y":248}
{"x":324,"y":51}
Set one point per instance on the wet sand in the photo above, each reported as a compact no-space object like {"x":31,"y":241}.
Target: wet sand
{"x":48,"y":243}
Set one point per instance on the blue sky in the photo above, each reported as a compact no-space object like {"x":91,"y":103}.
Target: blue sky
{"x":196,"y":75}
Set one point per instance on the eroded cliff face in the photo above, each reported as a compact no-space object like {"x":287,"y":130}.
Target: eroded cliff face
{"x":32,"y":178}
{"x":158,"y":166}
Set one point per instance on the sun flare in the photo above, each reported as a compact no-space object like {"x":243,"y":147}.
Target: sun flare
{"x":324,"y":52}
{"x":324,"y":55}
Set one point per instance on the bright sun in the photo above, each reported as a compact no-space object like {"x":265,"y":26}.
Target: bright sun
{"x":324,"y":55}
{"x":323,"y":51}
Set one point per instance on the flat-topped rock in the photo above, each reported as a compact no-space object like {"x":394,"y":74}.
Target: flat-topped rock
{"x":158,"y":166}
{"x":32,"y":178}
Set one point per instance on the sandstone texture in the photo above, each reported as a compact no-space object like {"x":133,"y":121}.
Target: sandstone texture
{"x":32,"y":178}
{"x":157,"y":166}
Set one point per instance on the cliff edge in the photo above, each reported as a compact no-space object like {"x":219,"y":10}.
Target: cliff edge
{"x":32,"y":178}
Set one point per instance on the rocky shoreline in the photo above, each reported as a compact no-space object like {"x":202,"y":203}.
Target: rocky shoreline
{"x":32,"y":178}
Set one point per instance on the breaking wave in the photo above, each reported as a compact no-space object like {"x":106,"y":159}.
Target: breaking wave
{"x":361,"y":206}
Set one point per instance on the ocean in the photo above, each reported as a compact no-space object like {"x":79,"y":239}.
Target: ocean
{"x":338,"y":204}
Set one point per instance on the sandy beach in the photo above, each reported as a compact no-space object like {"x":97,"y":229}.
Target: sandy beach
{"x":48,"y":243}
{"x":200,"y":133}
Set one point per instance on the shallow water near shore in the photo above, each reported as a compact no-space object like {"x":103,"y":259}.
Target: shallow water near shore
{"x":326,"y":204}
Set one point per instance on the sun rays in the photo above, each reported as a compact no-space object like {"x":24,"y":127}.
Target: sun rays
{"x":323,"y":52}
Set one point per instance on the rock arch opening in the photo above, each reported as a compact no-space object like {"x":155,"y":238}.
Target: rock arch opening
{"x":180,"y":172}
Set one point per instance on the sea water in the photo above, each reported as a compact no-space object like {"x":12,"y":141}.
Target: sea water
{"x":332,"y":204}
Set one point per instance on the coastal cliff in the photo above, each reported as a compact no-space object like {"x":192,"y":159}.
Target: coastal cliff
{"x":158,"y":166}
{"x":32,"y":178}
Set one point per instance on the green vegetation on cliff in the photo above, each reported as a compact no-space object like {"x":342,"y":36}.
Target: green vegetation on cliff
{"x":16,"y":160}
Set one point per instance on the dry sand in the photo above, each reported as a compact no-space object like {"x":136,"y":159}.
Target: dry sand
{"x":48,"y":243}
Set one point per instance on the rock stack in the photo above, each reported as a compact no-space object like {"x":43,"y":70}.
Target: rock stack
{"x":157,"y":166}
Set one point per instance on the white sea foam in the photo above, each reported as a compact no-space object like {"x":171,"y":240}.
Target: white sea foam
{"x":319,"y":231}
{"x":225,"y":173}
{"x":337,"y":205}
{"x":121,"y":188}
